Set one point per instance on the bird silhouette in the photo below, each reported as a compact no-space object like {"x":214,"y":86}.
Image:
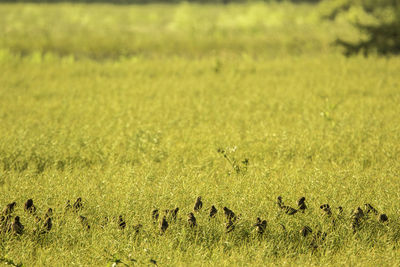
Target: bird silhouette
{"x":213,"y":211}
{"x":29,"y":207}
{"x":78,"y":204}
{"x":301,"y":204}
{"x":383,"y":218}
{"x":121,"y":223}
{"x":357,"y":217}
{"x":68,"y":205}
{"x":84,"y":222}
{"x":198,"y":205}
{"x":163,"y":225}
{"x":288,"y":210}
{"x":174,"y":213}
{"x":305,"y":231}
{"x":47,"y":225}
{"x":279,"y":202}
{"x":260,"y":225}
{"x":192,"y":220}
{"x":49,"y":213}
{"x":136,"y":228}
{"x":229,"y":214}
{"x":9,"y":208}
{"x":154,"y":215}
{"x":230,"y":225}
{"x":17,"y":227}
{"x":369,"y":208}
{"x":326,"y":209}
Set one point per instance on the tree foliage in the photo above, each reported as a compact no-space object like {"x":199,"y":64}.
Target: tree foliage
{"x":382,"y":30}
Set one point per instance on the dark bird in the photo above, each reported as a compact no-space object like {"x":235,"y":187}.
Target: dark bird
{"x":9,"y":208}
{"x":357,"y":216}
{"x":229,"y":226}
{"x":136,"y":228}
{"x":289,"y":210}
{"x":121,"y":222}
{"x":369,"y":208}
{"x":84,"y":222}
{"x":78,"y":204}
{"x":68,"y":206}
{"x":198,"y":205}
{"x":163,"y":225}
{"x":301,"y":204}
{"x":383,"y":218}
{"x":326,"y":209}
{"x":229,"y":214}
{"x":17,"y":227}
{"x":49,"y":213}
{"x":192,"y":220}
{"x":340,"y":209}
{"x":305,"y":231}
{"x":154,"y":215}
{"x":260,"y":225}
{"x":29,"y":207}
{"x":174,"y":213}
{"x":5,"y":223}
{"x":153,"y":261}
{"x":279,"y":202}
{"x":213,"y":211}
{"x":47,"y":225}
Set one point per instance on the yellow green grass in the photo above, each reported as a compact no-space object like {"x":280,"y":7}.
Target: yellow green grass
{"x":127,"y":106}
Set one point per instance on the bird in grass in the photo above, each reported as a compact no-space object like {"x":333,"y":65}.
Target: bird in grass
{"x":136,"y":228}
{"x":340,"y":209}
{"x":78,"y":204}
{"x":301,"y":204}
{"x":229,"y":214}
{"x":84,"y":222}
{"x":16,"y":226}
{"x":229,"y":226}
{"x":383,"y":218}
{"x":288,"y":210}
{"x":213,"y":211}
{"x":198,"y":205}
{"x":29,"y":207}
{"x":68,"y":205}
{"x":279,"y":202}
{"x":163,"y":225}
{"x":305,"y":231}
{"x":47,"y":225}
{"x":154,"y":215}
{"x":121,"y":223}
{"x":49,"y":213}
{"x":357,"y":216}
{"x":174,"y":213}
{"x":153,"y":261}
{"x":369,"y":208}
{"x":192,"y":220}
{"x":318,"y":238}
{"x":9,"y":208}
{"x":260,"y":225}
{"x":326,"y":209}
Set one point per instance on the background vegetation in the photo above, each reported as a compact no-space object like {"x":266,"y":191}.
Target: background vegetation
{"x":128,"y":106}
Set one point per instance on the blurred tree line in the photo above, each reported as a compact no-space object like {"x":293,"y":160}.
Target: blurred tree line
{"x":377,"y":20}
{"x":156,"y":1}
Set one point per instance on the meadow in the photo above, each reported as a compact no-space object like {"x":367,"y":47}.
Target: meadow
{"x":129,"y":107}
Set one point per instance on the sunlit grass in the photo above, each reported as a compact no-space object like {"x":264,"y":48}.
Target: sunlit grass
{"x":137,"y":131}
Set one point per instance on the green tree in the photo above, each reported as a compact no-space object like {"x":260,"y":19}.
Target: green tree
{"x":382,"y":32}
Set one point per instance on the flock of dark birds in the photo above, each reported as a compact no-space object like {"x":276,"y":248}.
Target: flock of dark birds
{"x":12,"y":225}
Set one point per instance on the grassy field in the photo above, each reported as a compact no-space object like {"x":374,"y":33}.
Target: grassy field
{"x":128,"y":106}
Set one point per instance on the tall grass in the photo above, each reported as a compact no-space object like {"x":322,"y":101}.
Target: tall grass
{"x":134,"y":131}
